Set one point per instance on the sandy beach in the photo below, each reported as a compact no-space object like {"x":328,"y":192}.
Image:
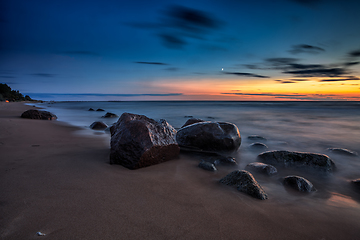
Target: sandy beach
{"x":60,"y":183}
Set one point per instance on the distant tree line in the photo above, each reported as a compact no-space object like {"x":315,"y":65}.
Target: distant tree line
{"x":11,"y":95}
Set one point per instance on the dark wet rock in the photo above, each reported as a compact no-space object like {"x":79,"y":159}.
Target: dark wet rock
{"x":245,"y":182}
{"x":100,"y":110}
{"x":91,"y":109}
{"x":258,"y":146}
{"x":343,"y":151}
{"x":298,"y":159}
{"x":299,"y":183}
{"x":110,"y":115}
{"x":356,"y":183}
{"x":138,"y":141}
{"x":256,"y":137}
{"x":98,"y":126}
{"x":37,"y":114}
{"x":262,"y":168}
{"x":188,"y":116}
{"x":192,"y":121}
{"x":222,"y":160}
{"x":209,"y":136}
{"x":207,"y":166}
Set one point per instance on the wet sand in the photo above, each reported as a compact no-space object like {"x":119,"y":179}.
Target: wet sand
{"x":60,"y":183}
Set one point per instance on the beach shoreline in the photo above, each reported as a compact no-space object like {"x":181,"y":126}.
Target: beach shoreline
{"x":60,"y":183}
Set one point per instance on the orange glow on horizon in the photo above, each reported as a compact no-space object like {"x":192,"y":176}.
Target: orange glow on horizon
{"x":261,"y":90}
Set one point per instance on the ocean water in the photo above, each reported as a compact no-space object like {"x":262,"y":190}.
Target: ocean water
{"x":294,"y":126}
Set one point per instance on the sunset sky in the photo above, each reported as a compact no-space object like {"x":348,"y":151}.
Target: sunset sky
{"x":181,"y":50}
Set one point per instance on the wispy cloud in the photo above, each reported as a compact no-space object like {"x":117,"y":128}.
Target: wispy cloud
{"x":153,"y":63}
{"x":44,"y":75}
{"x":110,"y":95}
{"x":355,"y":53}
{"x":246,"y":74}
{"x":349,"y":78}
{"x":305,"y":48}
{"x":80,"y":52}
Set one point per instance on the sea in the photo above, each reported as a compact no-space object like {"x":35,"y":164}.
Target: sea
{"x":311,"y":126}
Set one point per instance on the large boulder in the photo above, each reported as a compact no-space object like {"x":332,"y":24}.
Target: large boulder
{"x":245,"y":182}
{"x":299,"y":183}
{"x":138,"y":141}
{"x":209,"y":136}
{"x":289,"y":159}
{"x":37,"y":114}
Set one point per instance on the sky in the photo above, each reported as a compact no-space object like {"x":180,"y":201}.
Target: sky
{"x":239,"y":50}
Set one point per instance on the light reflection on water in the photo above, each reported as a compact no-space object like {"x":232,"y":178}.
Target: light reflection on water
{"x":294,"y":126}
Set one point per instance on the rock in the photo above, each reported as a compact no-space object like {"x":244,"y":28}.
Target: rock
{"x":207,"y":166}
{"x":192,"y":121}
{"x":138,"y":141}
{"x":209,"y":136}
{"x":256,"y":137}
{"x":90,"y":109}
{"x":258,"y":146}
{"x":245,"y":182}
{"x":37,"y":114}
{"x":110,"y":115}
{"x":298,"y":159}
{"x":100,"y":110}
{"x":98,"y":126}
{"x":343,"y":151}
{"x":188,"y":116}
{"x":356,"y":182}
{"x":262,"y":168}
{"x":299,"y":183}
{"x":222,"y":160}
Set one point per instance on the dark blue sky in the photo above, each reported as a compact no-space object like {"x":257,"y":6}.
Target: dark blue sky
{"x":161,"y":50}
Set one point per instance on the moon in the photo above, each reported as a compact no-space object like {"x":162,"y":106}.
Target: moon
{"x":222,"y":69}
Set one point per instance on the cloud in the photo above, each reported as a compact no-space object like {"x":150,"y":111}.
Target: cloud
{"x":306,"y":2}
{"x":318,"y":72}
{"x":349,"y":64}
{"x":355,"y":53}
{"x":177,"y":24}
{"x":84,"y":53}
{"x":152,"y":63}
{"x":246,"y":74}
{"x":285,"y":81}
{"x":109,"y":95}
{"x":349,"y":78}
{"x":305,"y":48}
{"x":45,"y":75}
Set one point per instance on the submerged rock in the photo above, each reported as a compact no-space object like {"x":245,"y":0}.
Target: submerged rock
{"x":110,"y":115}
{"x":245,"y":182}
{"x":298,"y":159}
{"x":299,"y":183}
{"x":90,"y":109}
{"x":100,"y":110}
{"x":207,"y":166}
{"x":138,"y":141}
{"x":343,"y":151}
{"x":37,"y":114}
{"x":258,"y":146}
{"x":192,"y":121}
{"x":98,"y":126}
{"x":356,"y":183}
{"x":256,"y":137}
{"x":262,"y":168}
{"x":222,"y":160}
{"x":209,"y":136}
